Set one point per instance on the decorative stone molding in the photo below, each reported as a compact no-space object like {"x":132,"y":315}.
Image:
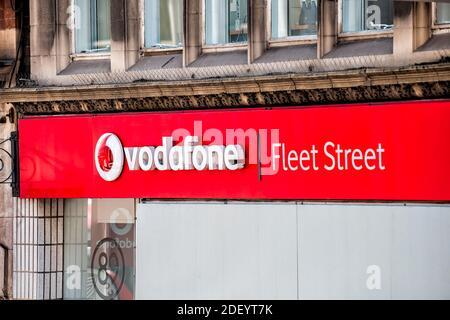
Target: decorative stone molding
{"x":362,"y":85}
{"x":375,"y":93}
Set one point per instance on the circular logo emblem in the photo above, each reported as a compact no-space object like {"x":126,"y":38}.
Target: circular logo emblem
{"x":128,"y":221}
{"x":109,"y":157}
{"x":108,"y":269}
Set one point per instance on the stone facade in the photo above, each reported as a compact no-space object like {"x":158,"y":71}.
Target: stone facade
{"x":8,"y":48}
{"x":6,"y":209}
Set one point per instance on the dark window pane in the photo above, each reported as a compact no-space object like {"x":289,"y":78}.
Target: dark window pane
{"x":367,"y":15}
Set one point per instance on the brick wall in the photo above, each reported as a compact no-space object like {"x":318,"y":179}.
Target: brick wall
{"x":7,"y":15}
{"x":8,"y":30}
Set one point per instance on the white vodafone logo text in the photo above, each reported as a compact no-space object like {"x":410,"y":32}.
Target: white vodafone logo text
{"x":111,"y":156}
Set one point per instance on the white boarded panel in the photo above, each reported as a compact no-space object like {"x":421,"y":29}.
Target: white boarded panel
{"x":411,"y":245}
{"x":337,"y":243}
{"x":216,"y":251}
{"x":421,"y":253}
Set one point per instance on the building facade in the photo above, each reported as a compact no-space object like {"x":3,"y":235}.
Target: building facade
{"x":255,"y":149}
{"x":13,"y":62}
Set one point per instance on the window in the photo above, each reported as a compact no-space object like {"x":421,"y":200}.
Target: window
{"x":163,"y":23}
{"x":367,"y":15}
{"x":93,"y":28}
{"x":442,"y":13}
{"x":294,"y":18}
{"x":99,"y":249}
{"x":226,"y":21}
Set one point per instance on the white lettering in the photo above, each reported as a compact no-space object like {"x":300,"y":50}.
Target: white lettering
{"x":131,"y":155}
{"x":234,"y":157}
{"x":200,"y":158}
{"x":162,"y":154}
{"x":189,"y":155}
{"x":146,"y":162}
{"x":176,"y":158}
{"x":330,"y":156}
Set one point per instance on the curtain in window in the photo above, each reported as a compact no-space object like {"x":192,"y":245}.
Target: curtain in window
{"x":226,"y":21}
{"x":103,"y":24}
{"x":279,"y":18}
{"x":216,"y":12}
{"x":163,"y":23}
{"x":352,"y":15}
{"x":94,"y":26}
{"x":361,"y":15}
{"x":443,"y":12}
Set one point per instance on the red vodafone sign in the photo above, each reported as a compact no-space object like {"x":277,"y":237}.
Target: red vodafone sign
{"x":386,"y":151}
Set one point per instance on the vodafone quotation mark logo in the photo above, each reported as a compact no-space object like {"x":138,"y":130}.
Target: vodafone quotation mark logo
{"x":109,"y":158}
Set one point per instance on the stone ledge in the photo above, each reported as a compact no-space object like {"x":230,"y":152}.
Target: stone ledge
{"x":418,"y":82}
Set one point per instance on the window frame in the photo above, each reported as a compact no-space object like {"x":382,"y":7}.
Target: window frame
{"x":144,"y":51}
{"x":438,"y":28}
{"x":217,"y":48}
{"x":74,"y":56}
{"x":289,"y":40}
{"x":358,"y":35}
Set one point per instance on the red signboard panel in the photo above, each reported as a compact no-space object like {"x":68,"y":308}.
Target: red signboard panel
{"x":386,"y":151}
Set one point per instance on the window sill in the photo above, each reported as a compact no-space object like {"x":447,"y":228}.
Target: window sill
{"x":289,"y":53}
{"x":292,"y":41}
{"x":172,"y":60}
{"x":90,"y":56}
{"x":87,"y":66}
{"x":148,"y":52}
{"x":236,"y":57}
{"x":437,"y":42}
{"x":224,"y":47}
{"x":440,"y":26}
{"x":441,"y":30}
{"x":371,"y":47}
{"x":365,"y":35}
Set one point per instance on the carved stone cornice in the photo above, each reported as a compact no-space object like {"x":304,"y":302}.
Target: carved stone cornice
{"x":234,"y":100}
{"x":420,"y":82}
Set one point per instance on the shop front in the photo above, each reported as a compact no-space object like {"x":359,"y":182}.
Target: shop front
{"x":336,"y":201}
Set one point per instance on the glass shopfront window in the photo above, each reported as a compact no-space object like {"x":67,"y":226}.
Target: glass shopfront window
{"x":163,"y":23}
{"x":92,"y":26}
{"x":226,"y":21}
{"x":99,"y":249}
{"x":293,"y":18}
{"x":442,"y":13}
{"x":367,"y":15}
